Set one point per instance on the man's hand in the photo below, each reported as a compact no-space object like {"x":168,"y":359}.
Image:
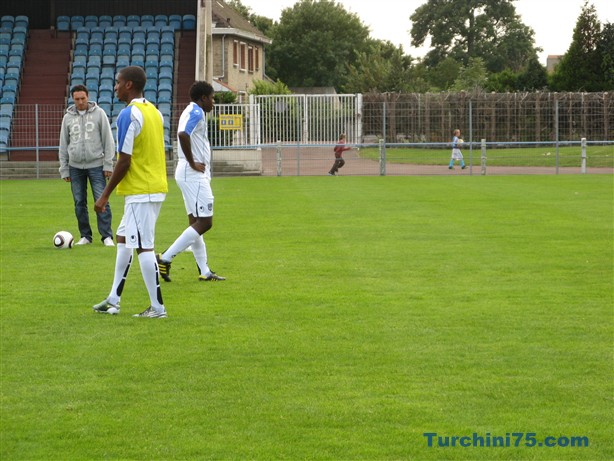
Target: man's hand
{"x":67,"y":179}
{"x":107,"y":174}
{"x":101,"y":204}
{"x":198,"y":167}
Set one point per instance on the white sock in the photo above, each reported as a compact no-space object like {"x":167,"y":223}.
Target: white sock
{"x":123,"y":261}
{"x":183,"y":241}
{"x":199,"y":249}
{"x":151,"y":277}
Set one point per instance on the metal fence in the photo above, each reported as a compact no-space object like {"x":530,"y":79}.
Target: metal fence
{"x":389,"y":134}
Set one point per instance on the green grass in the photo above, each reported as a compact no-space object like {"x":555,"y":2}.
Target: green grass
{"x":358,"y":314}
{"x":569,"y":156}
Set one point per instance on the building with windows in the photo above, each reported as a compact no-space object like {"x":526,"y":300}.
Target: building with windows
{"x":238,"y":49}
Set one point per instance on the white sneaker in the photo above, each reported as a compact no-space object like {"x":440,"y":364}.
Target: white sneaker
{"x":105,"y":307}
{"x":108,"y":242}
{"x":83,"y":241}
{"x":151,"y":313}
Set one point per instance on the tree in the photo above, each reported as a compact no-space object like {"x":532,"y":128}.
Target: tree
{"x":605,"y":49}
{"x":314,"y":42}
{"x":466,"y":29}
{"x":580,"y":67}
{"x":472,"y":77}
{"x":383,"y":68}
{"x":262,"y":87}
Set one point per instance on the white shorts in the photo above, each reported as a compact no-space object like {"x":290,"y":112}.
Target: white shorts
{"x":457,"y":154}
{"x":138,"y":225}
{"x":198,"y":197}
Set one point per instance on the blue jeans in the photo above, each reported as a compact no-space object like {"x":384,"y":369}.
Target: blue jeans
{"x":78,"y":185}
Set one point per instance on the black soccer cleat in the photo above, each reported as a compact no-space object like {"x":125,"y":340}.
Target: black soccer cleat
{"x":213,"y":277}
{"x":164,"y":268}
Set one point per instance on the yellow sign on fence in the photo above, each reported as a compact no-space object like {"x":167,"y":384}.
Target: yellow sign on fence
{"x":231,"y":122}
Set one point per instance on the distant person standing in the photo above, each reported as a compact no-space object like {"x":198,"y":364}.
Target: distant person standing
{"x":193,"y":176}
{"x":456,"y":152}
{"x":86,"y":153}
{"x":140,"y":176}
{"x":339,"y":149}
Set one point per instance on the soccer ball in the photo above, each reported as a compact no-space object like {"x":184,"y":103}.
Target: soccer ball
{"x":460,"y":141}
{"x":63,"y":239}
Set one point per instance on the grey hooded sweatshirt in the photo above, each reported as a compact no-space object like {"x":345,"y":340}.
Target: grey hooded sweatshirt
{"x":86,"y":141}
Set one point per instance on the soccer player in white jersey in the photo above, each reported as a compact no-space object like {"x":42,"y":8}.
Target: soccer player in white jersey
{"x":193,"y":176}
{"x":140,"y":176}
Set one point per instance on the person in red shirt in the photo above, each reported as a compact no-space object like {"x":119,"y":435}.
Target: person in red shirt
{"x":339,"y":162}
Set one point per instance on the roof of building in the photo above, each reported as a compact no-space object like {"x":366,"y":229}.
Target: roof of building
{"x":227,"y":20}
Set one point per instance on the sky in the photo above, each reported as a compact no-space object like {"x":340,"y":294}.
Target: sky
{"x":553,"y":21}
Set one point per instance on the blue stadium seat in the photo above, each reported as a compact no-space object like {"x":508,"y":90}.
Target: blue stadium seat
{"x":63,"y":23}
{"x":174,"y":21}
{"x":165,"y":108}
{"x":7,"y":21}
{"x":151,"y":64}
{"x":80,"y":50}
{"x":111,"y":34}
{"x":105,"y":106}
{"x":105,"y":72}
{"x":165,"y":72}
{"x":95,"y":50}
{"x":105,"y":21}
{"x":76,"y":22}
{"x":138,"y":40}
{"x":19,"y":34}
{"x":133,"y":20}
{"x":122,"y":61}
{"x":152,"y":74}
{"x":164,"y":96}
{"x":189,"y":22}
{"x":147,"y":20}
{"x":105,"y":97}
{"x":136,"y":61}
{"x":151,"y":85}
{"x":119,"y":20}
{"x":123,"y":40}
{"x":124,"y":49}
{"x":106,"y":84}
{"x":151,"y":95}
{"x":160,"y":20}
{"x":91,"y":21}
{"x":21,"y":21}
{"x":82,"y":40}
{"x":108,"y":61}
{"x":167,"y":40}
{"x":152,"y":48}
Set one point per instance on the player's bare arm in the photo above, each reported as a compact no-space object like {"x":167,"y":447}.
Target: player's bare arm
{"x":122,"y":167}
{"x":186,"y":146}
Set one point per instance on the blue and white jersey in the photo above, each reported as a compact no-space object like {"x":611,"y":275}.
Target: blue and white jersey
{"x":194,"y":123}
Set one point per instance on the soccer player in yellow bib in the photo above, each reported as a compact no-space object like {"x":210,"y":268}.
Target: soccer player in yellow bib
{"x":140,"y":176}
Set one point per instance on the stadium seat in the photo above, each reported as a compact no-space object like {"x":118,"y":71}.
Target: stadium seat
{"x":76,"y":22}
{"x":106,"y":107}
{"x":152,"y":74}
{"x":167,"y":40}
{"x":147,"y":20}
{"x":91,"y":21}
{"x":105,"y":21}
{"x":21,"y":21}
{"x":165,"y":72}
{"x":164,"y":97}
{"x":133,"y":20}
{"x":189,"y":22}
{"x":7,"y":21}
{"x":136,"y":61}
{"x":160,"y":20}
{"x":19,"y":34}
{"x":63,"y":23}
{"x":123,"y":40}
{"x":174,"y":21}
{"x":151,"y":96}
{"x":119,"y":20}
{"x":124,"y":49}
{"x":111,"y":34}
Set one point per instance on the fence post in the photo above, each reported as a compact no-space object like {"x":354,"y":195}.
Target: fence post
{"x":556,"y":132}
{"x":382,"y":158}
{"x":483,"y":143}
{"x":278,"y":152}
{"x":583,"y":168}
{"x":36,"y":127}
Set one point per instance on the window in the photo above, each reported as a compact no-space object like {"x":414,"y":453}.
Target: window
{"x":242,"y":56}
{"x":235,"y":53}
{"x":250,"y":58}
{"x":257,"y":58}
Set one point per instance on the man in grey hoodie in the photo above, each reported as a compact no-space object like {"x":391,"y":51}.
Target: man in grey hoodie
{"x":86,"y":152}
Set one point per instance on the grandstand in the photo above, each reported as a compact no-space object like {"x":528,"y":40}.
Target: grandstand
{"x":42,"y":57}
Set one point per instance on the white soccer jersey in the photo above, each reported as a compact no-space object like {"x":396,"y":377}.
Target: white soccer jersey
{"x":194,"y":123}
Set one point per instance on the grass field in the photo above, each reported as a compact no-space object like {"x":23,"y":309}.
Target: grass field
{"x":359,"y":313}
{"x":569,"y":156}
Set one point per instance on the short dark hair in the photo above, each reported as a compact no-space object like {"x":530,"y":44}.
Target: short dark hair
{"x":136,"y":75}
{"x":76,"y":88}
{"x":200,"y":89}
